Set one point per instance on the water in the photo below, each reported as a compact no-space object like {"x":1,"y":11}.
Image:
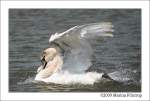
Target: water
{"x":120,"y":56}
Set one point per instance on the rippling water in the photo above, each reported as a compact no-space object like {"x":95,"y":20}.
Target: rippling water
{"x":120,"y":56}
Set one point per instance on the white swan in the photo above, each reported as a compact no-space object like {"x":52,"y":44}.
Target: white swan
{"x":71,"y":51}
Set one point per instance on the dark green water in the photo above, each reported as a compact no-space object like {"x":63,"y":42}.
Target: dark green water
{"x":120,"y":56}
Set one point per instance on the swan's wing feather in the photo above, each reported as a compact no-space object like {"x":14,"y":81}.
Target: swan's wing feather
{"x":86,"y":31}
{"x":76,"y":45}
{"x":55,"y":36}
{"x":94,"y":30}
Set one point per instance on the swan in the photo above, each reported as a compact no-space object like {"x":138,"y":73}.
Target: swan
{"x":71,"y":51}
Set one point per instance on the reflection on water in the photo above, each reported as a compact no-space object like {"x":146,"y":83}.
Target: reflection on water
{"x":120,"y":57}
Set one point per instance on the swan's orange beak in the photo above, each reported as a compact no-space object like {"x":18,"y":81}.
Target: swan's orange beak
{"x":44,"y":63}
{"x":43,"y":60}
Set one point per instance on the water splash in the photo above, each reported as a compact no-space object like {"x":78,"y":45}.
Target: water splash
{"x":68,"y":78}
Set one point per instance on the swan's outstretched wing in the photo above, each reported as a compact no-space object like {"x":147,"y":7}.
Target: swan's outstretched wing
{"x":86,"y":31}
{"x":76,"y":45}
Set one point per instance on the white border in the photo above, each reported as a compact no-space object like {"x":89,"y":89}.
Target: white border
{"x":5,"y":95}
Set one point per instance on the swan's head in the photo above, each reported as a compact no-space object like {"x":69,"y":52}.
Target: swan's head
{"x":48,"y":55}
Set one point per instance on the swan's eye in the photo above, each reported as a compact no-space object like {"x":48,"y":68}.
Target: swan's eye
{"x":44,"y":53}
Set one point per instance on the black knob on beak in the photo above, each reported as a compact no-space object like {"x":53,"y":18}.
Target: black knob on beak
{"x":43,"y":59}
{"x":44,"y":63}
